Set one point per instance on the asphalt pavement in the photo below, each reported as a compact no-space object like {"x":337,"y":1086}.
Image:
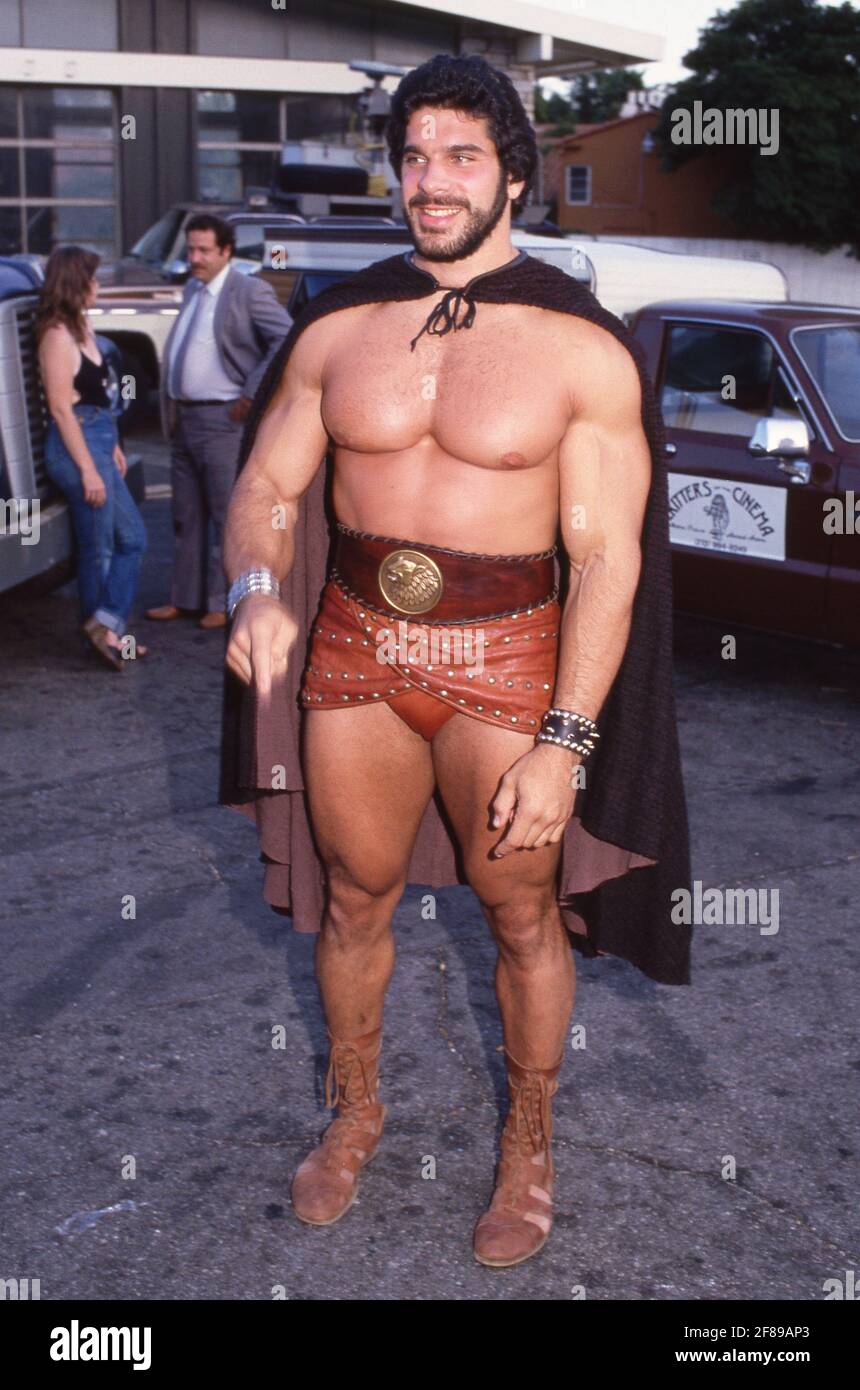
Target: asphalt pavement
{"x":706,"y":1136}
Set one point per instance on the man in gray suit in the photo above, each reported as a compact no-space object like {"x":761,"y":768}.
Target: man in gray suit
{"x":229,"y":327}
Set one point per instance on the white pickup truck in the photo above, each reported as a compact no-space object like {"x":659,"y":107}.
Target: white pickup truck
{"x":136,"y":307}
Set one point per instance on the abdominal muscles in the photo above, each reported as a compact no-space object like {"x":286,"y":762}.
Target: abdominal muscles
{"x":423,"y":493}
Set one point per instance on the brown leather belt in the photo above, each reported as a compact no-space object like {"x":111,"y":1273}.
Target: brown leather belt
{"x":435,"y":585}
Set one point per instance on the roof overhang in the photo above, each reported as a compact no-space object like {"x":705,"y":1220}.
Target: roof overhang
{"x":95,"y":68}
{"x":556,"y":43}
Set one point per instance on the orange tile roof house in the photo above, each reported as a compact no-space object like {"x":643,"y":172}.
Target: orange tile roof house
{"x":610,"y":182}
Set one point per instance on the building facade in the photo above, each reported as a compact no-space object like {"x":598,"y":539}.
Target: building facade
{"x":111,"y":110}
{"x":610,"y":183}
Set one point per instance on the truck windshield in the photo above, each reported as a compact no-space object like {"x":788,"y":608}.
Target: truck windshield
{"x":316,"y":280}
{"x":832,"y":358}
{"x":156,"y":244}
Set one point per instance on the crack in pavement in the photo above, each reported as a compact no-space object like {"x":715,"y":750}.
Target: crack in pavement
{"x":178,"y":1003}
{"x":772,"y":1203}
{"x":229,"y":861}
{"x":27,"y":790}
{"x":441,"y":1028}
{"x":772,"y":874}
{"x":124,"y":1018}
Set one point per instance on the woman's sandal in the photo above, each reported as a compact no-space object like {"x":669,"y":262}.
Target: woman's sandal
{"x":96,"y":634}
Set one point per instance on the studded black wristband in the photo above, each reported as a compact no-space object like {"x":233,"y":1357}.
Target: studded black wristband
{"x":568,"y":730}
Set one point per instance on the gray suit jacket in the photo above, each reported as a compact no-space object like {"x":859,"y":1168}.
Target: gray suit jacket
{"x":250,"y":326}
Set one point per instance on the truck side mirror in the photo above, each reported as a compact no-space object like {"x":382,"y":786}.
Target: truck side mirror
{"x":780,"y":438}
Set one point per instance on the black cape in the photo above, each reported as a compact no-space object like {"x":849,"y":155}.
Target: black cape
{"x":626,"y":848}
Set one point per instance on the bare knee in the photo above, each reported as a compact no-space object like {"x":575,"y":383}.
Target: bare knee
{"x":361,"y":902}
{"x":525,"y":926}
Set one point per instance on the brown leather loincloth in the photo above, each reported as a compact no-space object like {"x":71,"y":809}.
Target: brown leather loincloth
{"x":501,"y":670}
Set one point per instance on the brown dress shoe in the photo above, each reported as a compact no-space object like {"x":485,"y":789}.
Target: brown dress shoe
{"x":216,"y":619}
{"x":167,"y":612}
{"x":325,"y":1186}
{"x":519,"y":1218}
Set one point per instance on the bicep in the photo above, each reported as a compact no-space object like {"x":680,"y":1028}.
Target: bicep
{"x":291,"y":438}
{"x":604,"y":459}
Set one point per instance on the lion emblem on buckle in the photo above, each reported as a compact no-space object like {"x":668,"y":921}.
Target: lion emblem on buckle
{"x":410,"y":582}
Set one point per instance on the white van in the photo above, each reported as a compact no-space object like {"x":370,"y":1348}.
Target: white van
{"x":624,"y":278}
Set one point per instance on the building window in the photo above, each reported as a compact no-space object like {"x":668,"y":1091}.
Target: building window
{"x":86,"y":24}
{"x":578,"y":186}
{"x":57,"y":169}
{"x":239,"y":139}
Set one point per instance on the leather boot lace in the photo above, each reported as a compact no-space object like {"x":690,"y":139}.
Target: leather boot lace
{"x":344,"y":1064}
{"x":353,"y":1101}
{"x":527,"y":1131}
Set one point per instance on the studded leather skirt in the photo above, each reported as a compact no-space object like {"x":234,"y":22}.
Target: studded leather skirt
{"x":499,"y":669}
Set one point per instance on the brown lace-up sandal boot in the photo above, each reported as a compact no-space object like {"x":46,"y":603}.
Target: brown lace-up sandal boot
{"x":325,"y":1186}
{"x":518,"y":1220}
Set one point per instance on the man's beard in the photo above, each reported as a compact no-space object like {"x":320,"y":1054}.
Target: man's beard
{"x":472,"y":231}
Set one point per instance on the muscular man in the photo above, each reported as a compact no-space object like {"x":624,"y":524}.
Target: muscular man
{"x":457,"y":465}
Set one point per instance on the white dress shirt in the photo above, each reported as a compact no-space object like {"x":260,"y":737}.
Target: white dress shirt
{"x":203,"y":374}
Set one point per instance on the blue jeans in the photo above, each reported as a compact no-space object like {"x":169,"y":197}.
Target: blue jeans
{"x":111,"y":539}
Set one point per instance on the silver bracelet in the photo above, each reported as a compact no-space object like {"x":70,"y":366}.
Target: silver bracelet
{"x":256,"y":581}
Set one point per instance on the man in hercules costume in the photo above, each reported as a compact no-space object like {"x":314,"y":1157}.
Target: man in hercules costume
{"x":474,"y":407}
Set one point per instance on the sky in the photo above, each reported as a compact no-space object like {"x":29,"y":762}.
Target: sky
{"x":679,"y":21}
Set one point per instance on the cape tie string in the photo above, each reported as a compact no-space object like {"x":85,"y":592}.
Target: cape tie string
{"x":445,"y":314}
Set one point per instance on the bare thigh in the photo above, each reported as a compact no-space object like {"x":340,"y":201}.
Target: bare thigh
{"x":369,"y":778}
{"x":470,"y":758}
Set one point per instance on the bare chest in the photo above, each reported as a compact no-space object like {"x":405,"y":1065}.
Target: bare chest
{"x":494,"y":395}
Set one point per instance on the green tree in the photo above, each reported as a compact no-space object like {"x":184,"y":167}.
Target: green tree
{"x":590,"y":98}
{"x":800,"y":60}
{"x":599,"y":96}
{"x":555,"y":109}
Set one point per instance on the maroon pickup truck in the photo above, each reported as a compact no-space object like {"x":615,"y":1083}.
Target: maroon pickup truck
{"x":762,"y":410}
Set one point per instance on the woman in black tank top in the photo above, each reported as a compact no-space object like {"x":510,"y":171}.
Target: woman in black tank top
{"x":83,"y":457}
{"x":90,"y":382}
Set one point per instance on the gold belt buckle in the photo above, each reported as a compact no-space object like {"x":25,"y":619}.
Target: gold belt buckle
{"x":410,"y":581}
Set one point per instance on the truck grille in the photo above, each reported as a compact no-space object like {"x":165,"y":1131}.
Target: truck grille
{"x":34,"y":395}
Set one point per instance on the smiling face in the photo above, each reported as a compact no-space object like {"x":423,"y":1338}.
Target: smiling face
{"x":455,"y":191}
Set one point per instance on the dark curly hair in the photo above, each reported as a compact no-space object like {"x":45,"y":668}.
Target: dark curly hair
{"x":472,"y":85}
{"x":208,"y":222}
